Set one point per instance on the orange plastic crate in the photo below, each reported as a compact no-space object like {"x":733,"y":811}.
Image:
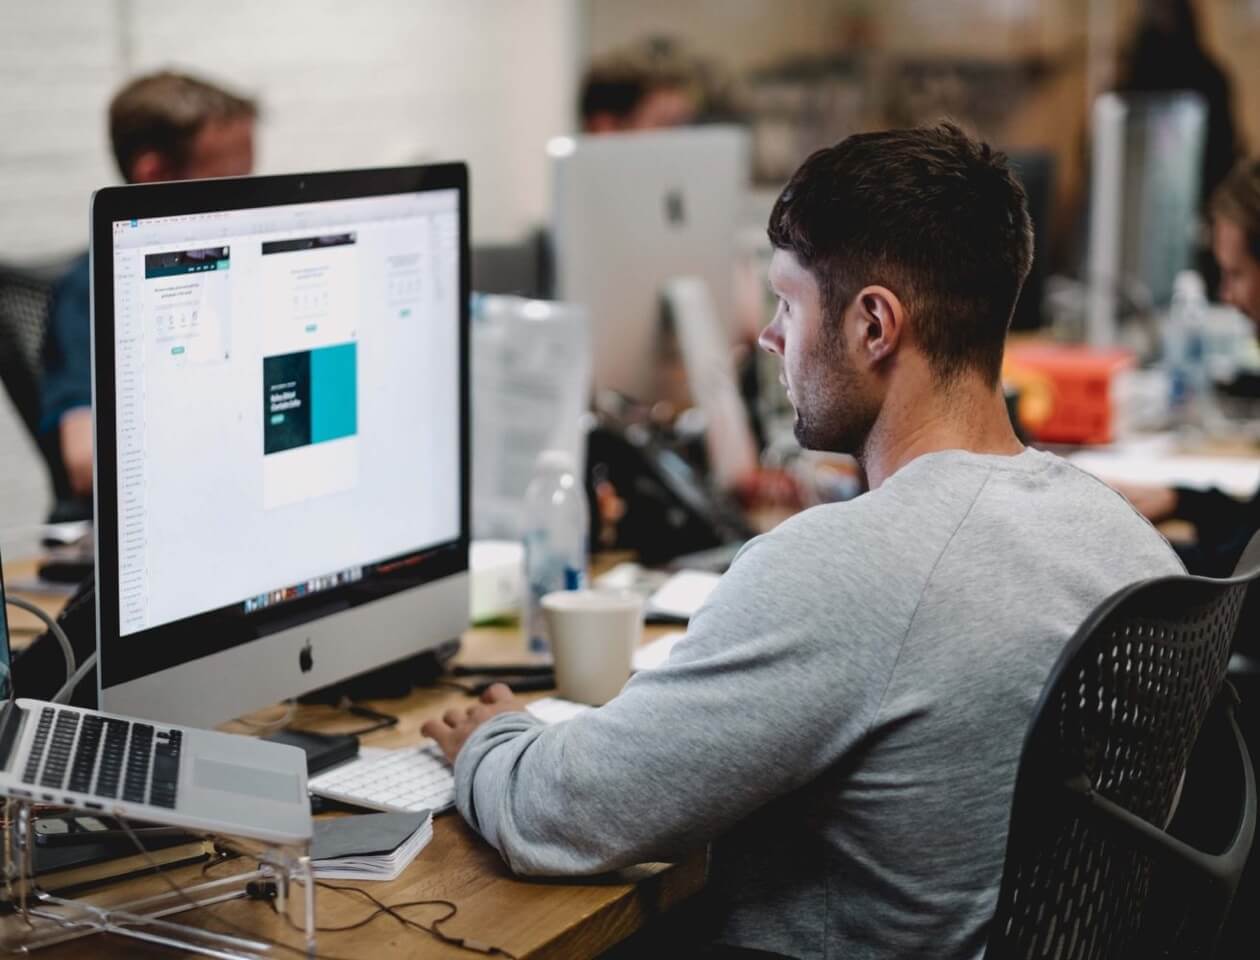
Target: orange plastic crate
{"x":1065,"y":391}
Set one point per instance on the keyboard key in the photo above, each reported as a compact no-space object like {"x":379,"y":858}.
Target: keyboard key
{"x":59,"y":749}
{"x":112,"y":758}
{"x":37,"y":748}
{"x":136,"y":781}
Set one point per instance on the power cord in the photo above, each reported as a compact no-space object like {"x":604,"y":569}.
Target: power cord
{"x":381,"y":720}
{"x":464,"y":943}
{"x":67,"y":649}
{"x":266,"y":891}
{"x":67,"y":690}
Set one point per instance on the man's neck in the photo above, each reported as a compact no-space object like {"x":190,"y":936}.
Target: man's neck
{"x":969,"y":416}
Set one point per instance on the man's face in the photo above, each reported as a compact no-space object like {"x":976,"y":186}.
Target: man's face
{"x":835,"y":406}
{"x":661,"y":108}
{"x":222,"y":148}
{"x":1240,"y":271}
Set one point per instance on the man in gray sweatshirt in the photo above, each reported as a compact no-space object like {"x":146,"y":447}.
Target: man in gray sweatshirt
{"x":844,"y":718}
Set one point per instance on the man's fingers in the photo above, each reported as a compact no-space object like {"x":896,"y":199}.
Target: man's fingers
{"x":496,"y":693}
{"x":437,"y":730}
{"x":453,"y":717}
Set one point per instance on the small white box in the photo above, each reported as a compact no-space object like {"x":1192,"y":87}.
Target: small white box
{"x":496,"y":572}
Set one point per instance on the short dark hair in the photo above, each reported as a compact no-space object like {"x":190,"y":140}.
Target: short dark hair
{"x":1237,"y":200}
{"x":164,"y":111}
{"x":618,"y":84}
{"x":932,"y":214}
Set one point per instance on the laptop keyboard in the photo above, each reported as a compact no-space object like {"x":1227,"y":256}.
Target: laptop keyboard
{"x":105,"y":757}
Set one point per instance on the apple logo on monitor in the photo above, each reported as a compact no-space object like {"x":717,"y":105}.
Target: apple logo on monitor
{"x":306,"y":658}
{"x":675,"y":211}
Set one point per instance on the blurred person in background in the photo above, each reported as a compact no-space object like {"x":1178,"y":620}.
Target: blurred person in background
{"x":1223,"y":525}
{"x":1166,"y":54}
{"x":162,"y":126}
{"x":639,"y":89}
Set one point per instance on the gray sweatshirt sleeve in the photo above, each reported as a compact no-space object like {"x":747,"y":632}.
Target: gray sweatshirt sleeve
{"x":771,"y":685}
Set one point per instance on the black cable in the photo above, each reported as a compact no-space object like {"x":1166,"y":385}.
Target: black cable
{"x":194,"y":905}
{"x":434,"y":931}
{"x":382,"y":720}
{"x":452,"y":685}
{"x":221,"y":856}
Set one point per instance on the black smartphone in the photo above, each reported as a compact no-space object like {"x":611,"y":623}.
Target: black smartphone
{"x":545,"y":681}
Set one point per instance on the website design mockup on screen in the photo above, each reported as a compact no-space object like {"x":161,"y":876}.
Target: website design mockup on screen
{"x":287,"y":386}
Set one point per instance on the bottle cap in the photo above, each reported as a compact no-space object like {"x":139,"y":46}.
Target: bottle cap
{"x":1189,"y":285}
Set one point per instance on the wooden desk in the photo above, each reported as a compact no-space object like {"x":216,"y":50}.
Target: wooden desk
{"x":549,"y":919}
{"x":22,"y":625}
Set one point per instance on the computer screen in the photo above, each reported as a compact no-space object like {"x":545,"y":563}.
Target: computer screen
{"x":287,"y":422}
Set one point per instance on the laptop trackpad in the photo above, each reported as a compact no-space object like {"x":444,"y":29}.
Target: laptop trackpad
{"x":234,"y":778}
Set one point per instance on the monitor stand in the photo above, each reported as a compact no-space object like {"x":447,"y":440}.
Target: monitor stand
{"x":390,"y":682}
{"x":712,"y":378}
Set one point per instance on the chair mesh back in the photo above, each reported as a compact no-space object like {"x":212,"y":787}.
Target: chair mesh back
{"x":24,"y":304}
{"x":1124,"y":705}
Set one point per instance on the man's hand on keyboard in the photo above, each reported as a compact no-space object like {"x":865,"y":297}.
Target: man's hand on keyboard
{"x":457,"y":725}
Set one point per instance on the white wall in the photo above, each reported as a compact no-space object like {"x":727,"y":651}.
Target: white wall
{"x":342,"y":84}
{"x":369,"y":83}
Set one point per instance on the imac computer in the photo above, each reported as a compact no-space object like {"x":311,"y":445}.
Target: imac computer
{"x":1145,"y":173}
{"x":644,"y":229}
{"x":282,"y":433}
{"x":630,"y":213}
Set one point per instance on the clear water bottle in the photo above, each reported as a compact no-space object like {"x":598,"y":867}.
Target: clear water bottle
{"x":1185,"y":354}
{"x":556,"y":531}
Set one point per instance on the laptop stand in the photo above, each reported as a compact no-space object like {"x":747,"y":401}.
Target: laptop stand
{"x":41,"y":920}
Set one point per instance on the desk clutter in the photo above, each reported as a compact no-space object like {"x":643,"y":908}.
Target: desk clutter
{"x":74,"y":853}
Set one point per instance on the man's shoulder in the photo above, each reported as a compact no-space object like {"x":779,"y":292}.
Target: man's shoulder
{"x":891,"y":528}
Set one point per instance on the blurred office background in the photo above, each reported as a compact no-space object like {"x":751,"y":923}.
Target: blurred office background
{"x":490,"y":81}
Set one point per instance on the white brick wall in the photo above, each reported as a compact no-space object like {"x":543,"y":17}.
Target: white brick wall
{"x":342,"y":84}
{"x":363,"y":84}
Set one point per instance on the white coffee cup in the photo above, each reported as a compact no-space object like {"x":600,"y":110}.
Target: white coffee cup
{"x":593,"y":637}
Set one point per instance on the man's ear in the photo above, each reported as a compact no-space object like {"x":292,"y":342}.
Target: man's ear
{"x":603,"y":122}
{"x":151,"y":166}
{"x":881,"y":323}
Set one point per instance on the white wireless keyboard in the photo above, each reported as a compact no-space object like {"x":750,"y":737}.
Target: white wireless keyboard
{"x":415,"y":778}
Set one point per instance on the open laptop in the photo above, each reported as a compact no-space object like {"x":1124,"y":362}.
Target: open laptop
{"x":195,"y":779}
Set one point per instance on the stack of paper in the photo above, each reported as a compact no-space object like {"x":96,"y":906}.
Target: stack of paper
{"x":554,"y":710}
{"x":372,"y":846}
{"x":654,"y":654}
{"x":682,"y":595}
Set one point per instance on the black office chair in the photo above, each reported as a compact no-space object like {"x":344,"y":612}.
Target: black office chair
{"x":25,"y":299}
{"x":1094,"y":869}
{"x":1242,"y":931}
